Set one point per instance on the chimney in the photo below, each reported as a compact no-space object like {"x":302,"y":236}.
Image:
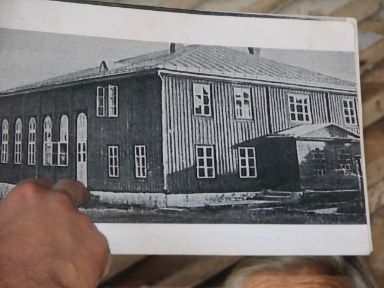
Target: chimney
{"x":175,"y":47}
{"x":254,"y":51}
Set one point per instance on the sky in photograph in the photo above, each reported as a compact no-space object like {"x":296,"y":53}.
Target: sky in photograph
{"x":26,"y":57}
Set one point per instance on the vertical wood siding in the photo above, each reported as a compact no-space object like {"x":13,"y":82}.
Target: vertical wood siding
{"x":184,"y":130}
{"x":337,"y":114}
{"x":139,"y":123}
{"x":279,"y":104}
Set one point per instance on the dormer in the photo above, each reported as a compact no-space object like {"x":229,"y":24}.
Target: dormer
{"x":103,"y":66}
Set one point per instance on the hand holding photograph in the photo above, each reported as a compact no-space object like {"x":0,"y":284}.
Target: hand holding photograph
{"x":196,"y":132}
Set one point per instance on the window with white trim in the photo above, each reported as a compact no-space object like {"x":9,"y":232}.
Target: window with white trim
{"x":299,"y":108}
{"x":4,"y":141}
{"x":107,"y":101}
{"x":32,"y":142}
{"x":47,"y":141}
{"x":247,"y":162}
{"x":62,"y":149}
{"x":100,"y":102}
{"x":349,"y":112}
{"x":205,"y":162}
{"x":18,"y":141}
{"x":113,"y":101}
{"x":243,"y":106}
{"x":202,"y":99}
{"x":140,"y":161}
{"x":113,"y":161}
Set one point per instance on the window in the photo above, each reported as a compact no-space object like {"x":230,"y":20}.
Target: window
{"x":299,"y":109}
{"x":18,"y":141}
{"x":32,"y":142}
{"x":47,"y":142}
{"x":202,"y":99}
{"x":349,"y":112}
{"x":4,"y":141}
{"x":107,"y":101}
{"x":205,"y":164}
{"x":113,"y":101}
{"x":62,"y":149}
{"x":247,"y":162}
{"x":113,"y":161}
{"x":318,"y":162}
{"x":100,"y":102}
{"x":140,"y":161}
{"x":243,"y":108}
{"x":344,"y":160}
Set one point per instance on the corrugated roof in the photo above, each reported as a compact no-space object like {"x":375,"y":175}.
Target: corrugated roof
{"x":211,"y":60}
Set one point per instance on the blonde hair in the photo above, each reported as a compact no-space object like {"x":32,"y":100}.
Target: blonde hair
{"x":350,"y":268}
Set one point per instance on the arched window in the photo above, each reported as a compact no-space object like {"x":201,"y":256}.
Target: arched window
{"x":4,"y":141}
{"x":63,"y":144}
{"x":64,"y":128}
{"x":18,"y":141}
{"x":47,"y":142}
{"x":32,"y":142}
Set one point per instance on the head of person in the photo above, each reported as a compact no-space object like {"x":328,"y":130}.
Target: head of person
{"x":300,"y":272}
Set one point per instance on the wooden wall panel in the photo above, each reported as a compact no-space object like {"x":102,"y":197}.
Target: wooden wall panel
{"x":185,"y":130}
{"x":336,"y":107}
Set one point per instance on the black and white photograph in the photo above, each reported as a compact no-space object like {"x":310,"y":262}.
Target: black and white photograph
{"x":185,"y":132}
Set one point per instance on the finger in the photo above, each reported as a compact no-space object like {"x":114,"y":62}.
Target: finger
{"x":29,"y":187}
{"x":42,"y":183}
{"x":76,"y":191}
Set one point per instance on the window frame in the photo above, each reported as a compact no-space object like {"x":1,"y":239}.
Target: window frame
{"x":113,"y":161}
{"x":113,"y":101}
{"x":62,"y":154}
{"x":247,"y":160}
{"x":349,"y":109}
{"x":100,"y":102}
{"x":302,"y":97}
{"x":345,"y":160}
{"x":140,"y":161}
{"x":198,"y":103}
{"x":18,"y":153}
{"x":4,"y":141}
{"x":47,"y":142}
{"x":318,"y":162}
{"x":107,"y":101}
{"x":205,"y":159}
{"x":238,"y":95}
{"x":32,"y":133}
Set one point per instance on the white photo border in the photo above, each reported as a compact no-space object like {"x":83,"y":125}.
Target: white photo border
{"x":248,"y":31}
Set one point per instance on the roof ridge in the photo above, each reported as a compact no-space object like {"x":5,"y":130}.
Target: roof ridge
{"x":211,"y":59}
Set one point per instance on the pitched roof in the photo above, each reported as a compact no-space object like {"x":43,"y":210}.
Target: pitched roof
{"x":211,"y":60}
{"x":326,"y":130}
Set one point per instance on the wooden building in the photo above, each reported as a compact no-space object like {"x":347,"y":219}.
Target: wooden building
{"x":176,"y":121}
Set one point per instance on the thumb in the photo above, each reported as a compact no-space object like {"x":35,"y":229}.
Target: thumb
{"x":75,"y":190}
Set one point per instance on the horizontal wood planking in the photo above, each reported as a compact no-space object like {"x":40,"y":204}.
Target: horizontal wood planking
{"x":118,"y":263}
{"x":266,"y":6}
{"x":151,"y":271}
{"x":357,"y":9}
{"x":371,"y":56}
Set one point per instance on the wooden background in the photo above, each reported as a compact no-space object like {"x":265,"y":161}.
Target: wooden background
{"x":197,"y":271}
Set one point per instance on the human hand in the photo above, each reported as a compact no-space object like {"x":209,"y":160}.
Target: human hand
{"x":45,"y":241}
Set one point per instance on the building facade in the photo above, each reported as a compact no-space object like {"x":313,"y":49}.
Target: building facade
{"x":178,"y":121}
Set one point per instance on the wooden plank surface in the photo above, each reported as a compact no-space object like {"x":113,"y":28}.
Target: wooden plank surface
{"x":357,"y":9}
